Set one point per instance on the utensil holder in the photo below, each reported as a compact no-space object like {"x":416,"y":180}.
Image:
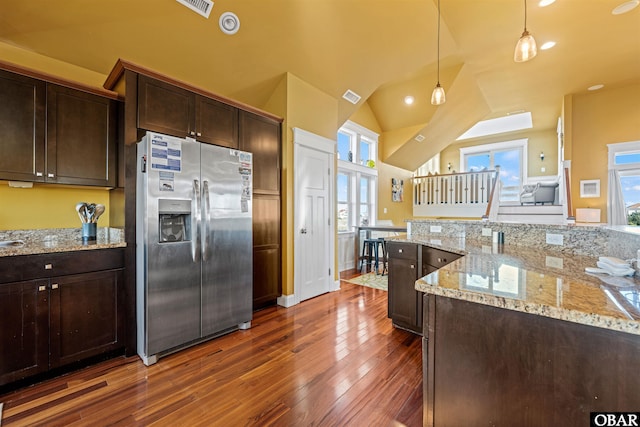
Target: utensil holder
{"x":89,"y":231}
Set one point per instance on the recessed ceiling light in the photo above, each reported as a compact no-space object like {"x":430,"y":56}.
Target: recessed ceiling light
{"x":595,"y":87}
{"x":408,"y":99}
{"x":543,"y":3}
{"x":229,"y":23}
{"x":625,"y":7}
{"x":547,"y":45}
{"x":419,"y":138}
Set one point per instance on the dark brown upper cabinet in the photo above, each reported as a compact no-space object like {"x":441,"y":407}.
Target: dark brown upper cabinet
{"x":261,"y":136}
{"x":55,"y":134}
{"x":168,"y":109}
{"x":22,"y":127}
{"x":81,"y":138}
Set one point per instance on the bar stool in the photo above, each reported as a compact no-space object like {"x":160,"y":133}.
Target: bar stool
{"x":372,"y":251}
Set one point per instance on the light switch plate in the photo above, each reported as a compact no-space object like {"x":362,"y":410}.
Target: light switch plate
{"x":435,"y":229}
{"x":486,"y":232}
{"x":555,"y":239}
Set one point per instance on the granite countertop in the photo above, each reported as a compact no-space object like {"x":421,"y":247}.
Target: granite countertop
{"x":32,"y":242}
{"x":535,"y":281}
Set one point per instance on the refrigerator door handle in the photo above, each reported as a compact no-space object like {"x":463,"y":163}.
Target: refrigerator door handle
{"x":206,"y":219}
{"x":195,"y":220}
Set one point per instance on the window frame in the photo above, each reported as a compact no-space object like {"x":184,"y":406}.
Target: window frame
{"x":355,"y":170}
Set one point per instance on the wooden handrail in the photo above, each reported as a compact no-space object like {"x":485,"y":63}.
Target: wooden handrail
{"x":493,"y":189}
{"x":454,"y":174}
{"x":567,"y":188}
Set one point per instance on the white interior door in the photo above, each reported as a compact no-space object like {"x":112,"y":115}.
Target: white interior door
{"x":314,"y":229}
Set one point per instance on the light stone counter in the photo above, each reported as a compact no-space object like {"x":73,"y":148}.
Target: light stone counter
{"x":533,"y":280}
{"x":58,"y":240}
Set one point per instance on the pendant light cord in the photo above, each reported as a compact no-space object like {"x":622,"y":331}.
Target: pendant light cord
{"x":439,"y":41}
{"x":525,"y":15}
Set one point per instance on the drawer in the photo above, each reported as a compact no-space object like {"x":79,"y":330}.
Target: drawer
{"x":437,"y":258}
{"x":402,"y":250}
{"x":41,"y":266}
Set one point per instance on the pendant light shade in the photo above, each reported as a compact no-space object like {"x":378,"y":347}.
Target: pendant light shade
{"x":526,"y":47}
{"x":438,"y":97}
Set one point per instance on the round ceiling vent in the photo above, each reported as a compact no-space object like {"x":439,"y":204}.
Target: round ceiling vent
{"x":229,"y":23}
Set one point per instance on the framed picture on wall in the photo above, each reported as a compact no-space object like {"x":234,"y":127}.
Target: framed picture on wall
{"x":590,"y":188}
{"x":396,"y":189}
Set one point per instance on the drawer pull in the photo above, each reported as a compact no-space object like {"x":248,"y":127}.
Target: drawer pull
{"x":50,"y":175}
{"x":399,"y":251}
{"x":413,"y":266}
{"x":442,"y":260}
{"x":198,"y":134}
{"x":54,"y":286}
{"x":42,"y":288}
{"x":48,"y":266}
{"x":38,"y":173}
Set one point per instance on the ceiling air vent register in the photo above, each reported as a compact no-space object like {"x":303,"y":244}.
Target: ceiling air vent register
{"x":201,"y":7}
{"x":351,"y":96}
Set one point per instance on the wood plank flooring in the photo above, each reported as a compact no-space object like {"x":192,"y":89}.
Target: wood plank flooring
{"x":334,"y":360}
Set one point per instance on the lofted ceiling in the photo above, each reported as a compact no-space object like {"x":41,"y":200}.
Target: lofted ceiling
{"x":382,"y":50}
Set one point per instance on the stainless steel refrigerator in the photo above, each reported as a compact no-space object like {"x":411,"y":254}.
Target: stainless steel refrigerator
{"x":194,"y":243}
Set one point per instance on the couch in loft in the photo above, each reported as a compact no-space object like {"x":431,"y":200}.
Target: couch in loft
{"x":541,"y":192}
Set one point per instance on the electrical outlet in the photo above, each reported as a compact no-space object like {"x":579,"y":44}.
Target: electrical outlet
{"x":435,"y":229}
{"x":554,"y":262}
{"x":555,"y":239}
{"x":543,"y":169}
{"x":385,"y":210}
{"x":486,"y":232}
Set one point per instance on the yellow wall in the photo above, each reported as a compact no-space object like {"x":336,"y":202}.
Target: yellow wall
{"x":596,"y":119}
{"x":314,"y":111}
{"x":47,"y":206}
{"x":397,"y":212}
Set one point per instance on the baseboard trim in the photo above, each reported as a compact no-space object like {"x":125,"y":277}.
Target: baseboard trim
{"x":286,"y":301}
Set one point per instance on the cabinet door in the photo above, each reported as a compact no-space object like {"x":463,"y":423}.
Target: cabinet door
{"x":403,"y":297}
{"x":22,"y":127}
{"x":85,"y":319}
{"x":24,"y":334}
{"x":81,"y":138}
{"x":165,"y":108}
{"x":261,"y":136}
{"x":216,"y":123}
{"x":266,"y":250}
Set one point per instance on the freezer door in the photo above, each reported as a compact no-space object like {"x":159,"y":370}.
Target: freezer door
{"x":227,"y":256}
{"x":172,"y":193}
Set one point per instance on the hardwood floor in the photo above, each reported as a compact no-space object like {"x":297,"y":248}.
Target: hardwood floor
{"x":334,"y":360}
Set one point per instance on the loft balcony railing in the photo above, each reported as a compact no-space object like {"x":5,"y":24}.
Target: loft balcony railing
{"x":462,"y":195}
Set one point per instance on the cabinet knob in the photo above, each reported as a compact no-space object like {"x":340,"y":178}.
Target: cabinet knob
{"x":192,"y":133}
{"x":50,"y":175}
{"x":413,"y":266}
{"x":48,"y":266}
{"x":54,"y":286}
{"x":399,"y":251}
{"x":199,"y":134}
{"x":42,"y":288}
{"x":38,"y":173}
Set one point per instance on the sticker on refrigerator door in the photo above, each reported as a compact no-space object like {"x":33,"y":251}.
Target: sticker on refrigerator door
{"x":166,"y":155}
{"x":245,"y":157}
{"x":166,"y":180}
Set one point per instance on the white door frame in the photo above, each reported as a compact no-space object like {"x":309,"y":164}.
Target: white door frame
{"x":302,"y":138}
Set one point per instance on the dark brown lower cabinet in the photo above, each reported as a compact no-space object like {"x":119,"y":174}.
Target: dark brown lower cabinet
{"x":407,"y":263}
{"x":55,"y":321}
{"x":484,"y":365}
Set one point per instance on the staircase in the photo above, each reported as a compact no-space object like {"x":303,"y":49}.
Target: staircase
{"x":530,"y":214}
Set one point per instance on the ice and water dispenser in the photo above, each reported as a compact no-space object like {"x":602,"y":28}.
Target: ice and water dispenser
{"x":174,"y":220}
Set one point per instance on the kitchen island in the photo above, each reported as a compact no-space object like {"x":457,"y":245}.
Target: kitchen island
{"x":521,"y":335}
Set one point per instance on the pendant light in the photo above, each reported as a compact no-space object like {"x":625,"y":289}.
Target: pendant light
{"x":438,"y":97}
{"x":526,"y":48}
